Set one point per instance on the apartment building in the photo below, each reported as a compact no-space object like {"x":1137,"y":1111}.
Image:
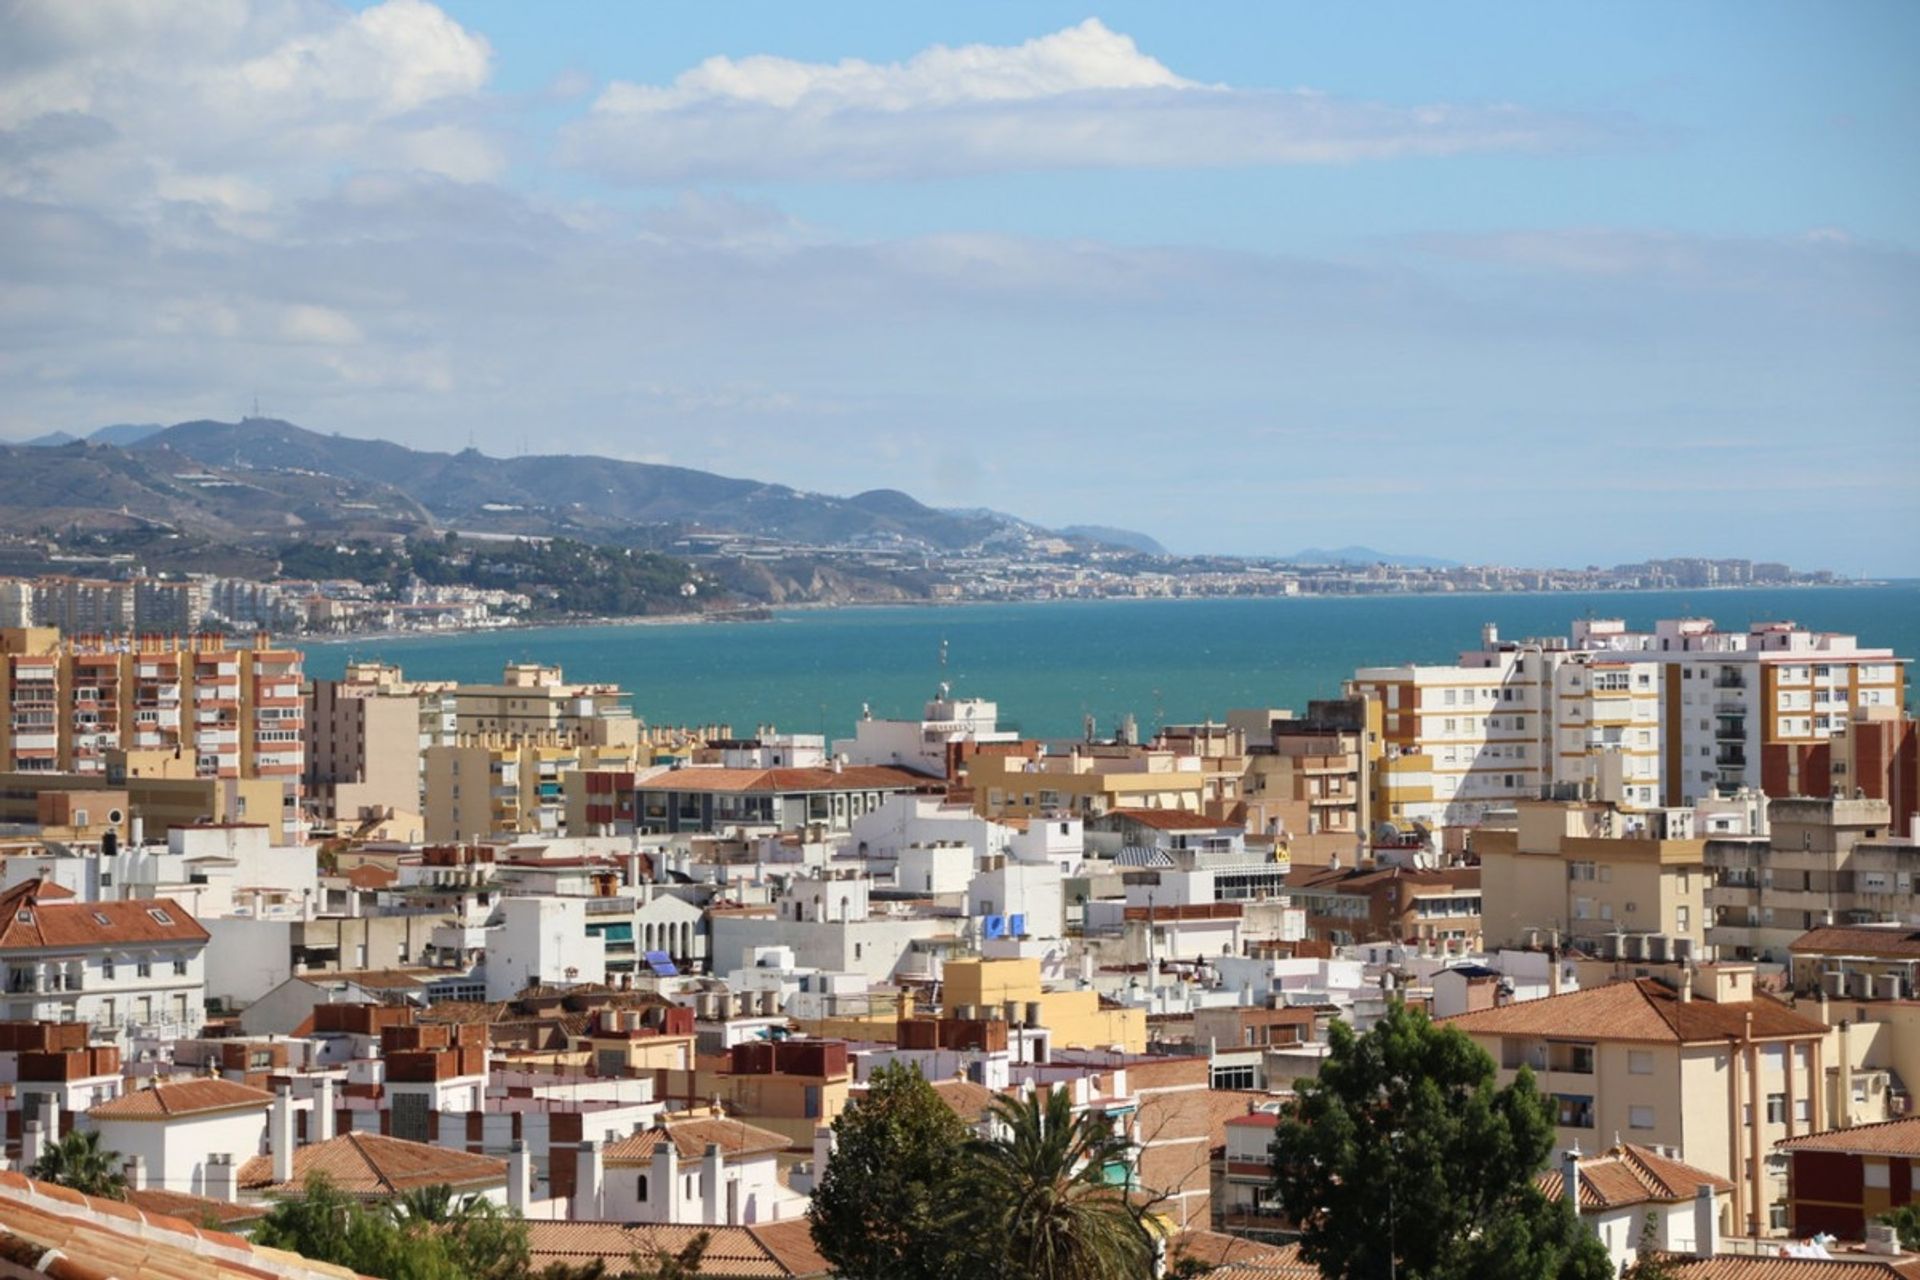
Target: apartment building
{"x":948,"y":729}
{"x":1644,"y":719}
{"x":1587,"y":870}
{"x":1309,"y":778}
{"x":1346,"y":906}
{"x":127,"y":968}
{"x":1088,"y":780}
{"x":1823,"y":862}
{"x":233,"y":710}
{"x":499,"y":783}
{"x":1694,"y":1060}
{"x":365,"y":749}
{"x":532,"y":700}
{"x":710,"y":799}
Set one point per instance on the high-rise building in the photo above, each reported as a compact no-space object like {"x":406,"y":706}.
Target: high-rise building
{"x":1659,"y":719}
{"x":233,"y":710}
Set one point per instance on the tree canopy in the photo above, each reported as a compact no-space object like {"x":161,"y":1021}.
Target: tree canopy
{"x":1404,"y":1158}
{"x":79,"y":1162}
{"x":878,"y":1208}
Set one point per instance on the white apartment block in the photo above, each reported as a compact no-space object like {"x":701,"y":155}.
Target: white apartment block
{"x":127,"y":968}
{"x":1645,"y":719}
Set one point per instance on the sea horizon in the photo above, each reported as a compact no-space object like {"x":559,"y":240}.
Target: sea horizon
{"x":1050,"y":664}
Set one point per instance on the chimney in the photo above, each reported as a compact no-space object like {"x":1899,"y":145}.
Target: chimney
{"x":589,"y":1185}
{"x":1686,"y":983}
{"x":664,"y":1182}
{"x":218,"y":1177}
{"x":1843,"y":1095}
{"x":280,"y":1138}
{"x":1706,"y":1223}
{"x":137,"y":1173}
{"x":519,"y":1177}
{"x":713,"y":1186}
{"x":320,"y":1129}
{"x":33,"y":1144}
{"x":1570,"y":1178}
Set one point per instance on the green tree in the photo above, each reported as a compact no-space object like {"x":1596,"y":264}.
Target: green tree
{"x":429,"y":1234}
{"x":79,"y":1162}
{"x":877,"y":1211}
{"x":1404,"y":1159}
{"x":1046,"y":1197}
{"x":1648,"y":1262}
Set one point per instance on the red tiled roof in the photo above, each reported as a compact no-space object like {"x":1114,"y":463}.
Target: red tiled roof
{"x":691,"y":1138}
{"x":28,"y":922}
{"x":772,"y":1249}
{"x":368,"y":876}
{"x":370,"y":1165}
{"x":1628,"y":1174}
{"x":181,"y":1098}
{"x":1641,"y":1010}
{"x":1744,"y":1267}
{"x":1858,"y":940}
{"x":102,"y":1238}
{"x":1889,"y":1137}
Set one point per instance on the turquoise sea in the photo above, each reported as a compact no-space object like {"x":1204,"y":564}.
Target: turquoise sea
{"x":1049,"y":665}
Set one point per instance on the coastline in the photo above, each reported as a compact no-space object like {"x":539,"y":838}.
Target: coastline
{"x":773,"y":613}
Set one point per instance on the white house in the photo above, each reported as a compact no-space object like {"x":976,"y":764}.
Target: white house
{"x":174,"y":1128}
{"x":925,"y":745}
{"x":125,"y":967}
{"x":706,"y":1171}
{"x":542,"y":940}
{"x":1615,"y":1193}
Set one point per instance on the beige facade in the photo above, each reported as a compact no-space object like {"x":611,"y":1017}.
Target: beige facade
{"x":1698,"y":1062}
{"x":1088,"y":781}
{"x":531,"y":700}
{"x":493,"y":784}
{"x":363,"y":753}
{"x":1826,"y":862}
{"x":1309,"y":782}
{"x":227,"y":710}
{"x":1587,"y":870}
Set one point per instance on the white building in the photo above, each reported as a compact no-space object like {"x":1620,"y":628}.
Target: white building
{"x":542,"y":941}
{"x":925,"y":745}
{"x":706,"y":1171}
{"x":176,"y":1127}
{"x":128,"y":968}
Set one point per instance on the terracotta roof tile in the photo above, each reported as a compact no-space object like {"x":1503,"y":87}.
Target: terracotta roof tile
{"x":731,"y":1251}
{"x":1628,"y":1174}
{"x":1858,"y":940}
{"x":26,"y":921}
{"x":1170,"y":819}
{"x":691,"y":1138}
{"x":181,"y":1098}
{"x":1889,"y":1137}
{"x":1743,"y":1267}
{"x":370,"y":1165}
{"x":1641,"y":1010}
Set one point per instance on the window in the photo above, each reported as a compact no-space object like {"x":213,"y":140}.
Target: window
{"x":1573,"y":1111}
{"x":159,"y":916}
{"x":1681,"y":920}
{"x":143,"y":969}
{"x":180,"y":968}
{"x":1776,"y":1108}
{"x":1234,"y":1078}
{"x":106,"y":968}
{"x":1640,"y":1062}
{"x":1874,"y":1173}
{"x":640,"y":1187}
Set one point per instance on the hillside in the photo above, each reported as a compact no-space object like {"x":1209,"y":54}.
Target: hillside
{"x":590,"y":497}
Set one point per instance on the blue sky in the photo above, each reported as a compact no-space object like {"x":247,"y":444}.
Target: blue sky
{"x":1518,"y":283}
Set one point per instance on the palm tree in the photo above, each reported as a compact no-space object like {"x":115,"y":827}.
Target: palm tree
{"x":1038,"y":1202}
{"x":434,"y":1204}
{"x":79,"y":1162}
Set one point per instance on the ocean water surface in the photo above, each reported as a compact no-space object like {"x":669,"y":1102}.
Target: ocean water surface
{"x":1049,"y":665}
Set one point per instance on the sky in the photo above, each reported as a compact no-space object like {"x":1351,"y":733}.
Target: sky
{"x":1524,"y":283}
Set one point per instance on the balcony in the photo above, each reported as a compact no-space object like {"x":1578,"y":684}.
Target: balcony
{"x":1730,"y":682}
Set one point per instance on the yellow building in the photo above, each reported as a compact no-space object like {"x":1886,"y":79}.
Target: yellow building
{"x":1074,"y":1018}
{"x":495,"y":784}
{"x":1587,"y":870}
{"x":1703,"y":1064}
{"x":1088,"y":781}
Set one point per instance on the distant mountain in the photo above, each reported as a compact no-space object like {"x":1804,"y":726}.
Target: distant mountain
{"x":595,"y":498}
{"x":1366,"y":556}
{"x":1125,"y":538}
{"x":51,"y":440}
{"x":125,"y":433}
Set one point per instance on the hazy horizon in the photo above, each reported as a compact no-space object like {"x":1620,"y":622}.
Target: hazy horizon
{"x":1553,"y":286}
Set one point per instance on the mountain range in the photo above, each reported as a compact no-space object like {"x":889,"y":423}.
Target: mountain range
{"x":264,"y":476}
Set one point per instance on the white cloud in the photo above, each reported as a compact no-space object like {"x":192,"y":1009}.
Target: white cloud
{"x":1085,"y":97}
{"x":322,"y":325}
